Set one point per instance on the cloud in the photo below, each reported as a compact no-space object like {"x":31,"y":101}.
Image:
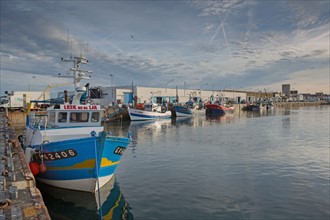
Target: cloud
{"x":218,"y":7}
{"x":306,"y":14}
{"x":223,"y":42}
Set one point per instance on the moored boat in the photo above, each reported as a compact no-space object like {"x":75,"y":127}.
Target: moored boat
{"x":217,"y":109}
{"x":183,"y":111}
{"x":151,"y":111}
{"x":66,"y":145}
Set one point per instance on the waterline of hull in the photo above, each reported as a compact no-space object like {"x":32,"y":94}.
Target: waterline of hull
{"x":86,"y":185}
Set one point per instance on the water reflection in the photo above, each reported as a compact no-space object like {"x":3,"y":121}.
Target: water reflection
{"x":225,"y":118}
{"x":261,"y":113}
{"x":69,"y":204}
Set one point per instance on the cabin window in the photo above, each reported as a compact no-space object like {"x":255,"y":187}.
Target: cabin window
{"x":62,"y":117}
{"x":52,"y":117}
{"x":79,"y":116}
{"x":95,"y":116}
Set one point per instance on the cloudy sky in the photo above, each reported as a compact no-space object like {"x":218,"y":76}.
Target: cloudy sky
{"x":253,"y":45}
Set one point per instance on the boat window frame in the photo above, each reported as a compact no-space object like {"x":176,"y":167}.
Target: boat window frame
{"x":77,"y":116}
{"x":97,"y":118}
{"x":52,"y":117}
{"x":62,"y":119}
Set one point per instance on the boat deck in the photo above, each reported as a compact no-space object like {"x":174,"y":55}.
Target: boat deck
{"x":19,"y":197}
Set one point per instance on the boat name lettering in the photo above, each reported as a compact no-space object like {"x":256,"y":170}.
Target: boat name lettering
{"x":80,"y":107}
{"x":119,"y":150}
{"x":58,"y":155}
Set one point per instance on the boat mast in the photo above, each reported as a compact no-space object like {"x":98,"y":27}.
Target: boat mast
{"x":78,"y":73}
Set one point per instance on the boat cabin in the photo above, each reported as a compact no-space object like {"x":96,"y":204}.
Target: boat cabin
{"x":154,"y":107}
{"x":69,"y":115}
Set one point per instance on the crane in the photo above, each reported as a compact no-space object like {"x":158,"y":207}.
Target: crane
{"x":50,"y":87}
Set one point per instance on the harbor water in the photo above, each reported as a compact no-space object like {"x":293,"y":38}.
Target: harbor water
{"x":248,"y":165}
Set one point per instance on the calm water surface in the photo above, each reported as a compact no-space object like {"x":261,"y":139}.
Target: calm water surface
{"x":272,"y":165}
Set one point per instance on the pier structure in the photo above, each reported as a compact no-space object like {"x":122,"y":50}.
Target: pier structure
{"x":19,"y":197}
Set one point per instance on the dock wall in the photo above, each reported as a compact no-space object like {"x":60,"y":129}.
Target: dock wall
{"x":19,"y":197}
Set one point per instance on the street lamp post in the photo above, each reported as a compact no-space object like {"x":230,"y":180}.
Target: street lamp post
{"x":111,"y":76}
{"x":200,"y":89}
{"x":29,"y":85}
{"x":166,"y":84}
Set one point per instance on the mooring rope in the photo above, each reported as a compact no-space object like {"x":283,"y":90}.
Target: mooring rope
{"x":97,"y":176}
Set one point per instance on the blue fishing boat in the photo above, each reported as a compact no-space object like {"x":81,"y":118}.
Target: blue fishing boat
{"x":66,"y":145}
{"x":183,"y":111}
{"x":190,"y":108}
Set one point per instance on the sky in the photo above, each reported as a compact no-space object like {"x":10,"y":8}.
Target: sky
{"x":243,"y":45}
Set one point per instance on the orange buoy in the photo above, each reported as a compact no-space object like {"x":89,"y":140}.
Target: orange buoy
{"x":42,"y":167}
{"x":34,"y":167}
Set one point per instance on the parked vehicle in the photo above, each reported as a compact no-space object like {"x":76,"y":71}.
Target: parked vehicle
{"x":19,"y":100}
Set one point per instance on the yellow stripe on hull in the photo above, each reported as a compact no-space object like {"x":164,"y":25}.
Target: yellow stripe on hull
{"x":87,"y":164}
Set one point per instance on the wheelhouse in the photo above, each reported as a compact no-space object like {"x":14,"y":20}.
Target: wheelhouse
{"x":68,"y":115}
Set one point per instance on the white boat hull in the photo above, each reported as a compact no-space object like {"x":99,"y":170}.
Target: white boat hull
{"x":34,"y":137}
{"x":87,"y":185}
{"x":140,"y":115}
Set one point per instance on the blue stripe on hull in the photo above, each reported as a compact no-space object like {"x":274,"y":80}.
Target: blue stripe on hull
{"x":82,"y":164}
{"x":182,"y":111}
{"x":149,"y":116}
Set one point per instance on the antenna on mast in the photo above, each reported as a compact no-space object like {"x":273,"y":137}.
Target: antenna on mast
{"x":80,"y":49}
{"x":68,"y":42}
{"x":69,"y":45}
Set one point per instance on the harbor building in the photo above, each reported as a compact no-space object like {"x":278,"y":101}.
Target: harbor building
{"x":131,"y":95}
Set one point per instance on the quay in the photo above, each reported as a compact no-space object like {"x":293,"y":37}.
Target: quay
{"x":19,"y":197}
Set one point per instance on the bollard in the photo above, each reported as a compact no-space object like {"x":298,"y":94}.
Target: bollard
{"x":2,"y":183}
{"x":13,"y":192}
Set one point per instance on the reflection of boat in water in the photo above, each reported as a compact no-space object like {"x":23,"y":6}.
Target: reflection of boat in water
{"x":155,"y":124}
{"x":69,"y":204}
{"x":226,"y":118}
{"x":258,"y":106}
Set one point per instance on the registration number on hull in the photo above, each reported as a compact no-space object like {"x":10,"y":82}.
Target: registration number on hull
{"x":119,"y":150}
{"x":58,"y":155}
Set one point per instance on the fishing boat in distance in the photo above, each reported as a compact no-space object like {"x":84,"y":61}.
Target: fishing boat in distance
{"x":66,"y":145}
{"x":193,"y":107}
{"x":183,"y":111}
{"x":218,"y":109}
{"x":151,"y":111}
